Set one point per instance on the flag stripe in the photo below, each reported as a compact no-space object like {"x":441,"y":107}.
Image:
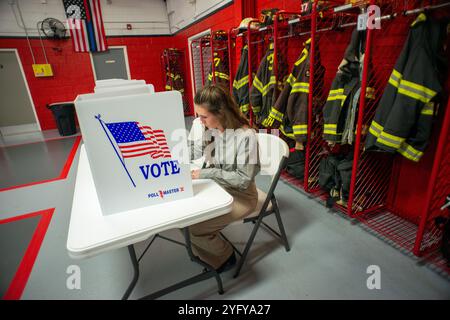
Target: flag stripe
{"x":102,"y":27}
{"x":86,"y":29}
{"x":94,"y":23}
{"x":135,"y":141}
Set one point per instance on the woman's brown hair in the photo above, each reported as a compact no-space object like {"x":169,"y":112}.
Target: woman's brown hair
{"x":217,"y":100}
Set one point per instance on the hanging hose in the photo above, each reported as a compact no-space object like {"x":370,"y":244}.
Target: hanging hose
{"x":42,"y":43}
{"x":25,"y":28}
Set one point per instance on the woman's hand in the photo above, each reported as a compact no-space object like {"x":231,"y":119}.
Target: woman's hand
{"x":195,"y":174}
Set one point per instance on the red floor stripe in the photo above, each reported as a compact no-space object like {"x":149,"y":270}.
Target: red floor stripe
{"x":66,"y":168}
{"x":64,"y":172}
{"x":20,"y":279}
{"x":38,"y":141}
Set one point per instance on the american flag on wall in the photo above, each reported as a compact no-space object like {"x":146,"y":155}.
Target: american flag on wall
{"x":136,"y":140}
{"x":86,"y":25}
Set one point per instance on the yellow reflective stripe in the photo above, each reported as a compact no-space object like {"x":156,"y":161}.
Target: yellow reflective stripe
{"x":377,"y":126}
{"x":266,"y":88}
{"x":426,"y":92}
{"x":300,"y":87}
{"x":289,"y":135}
{"x":428,"y":109}
{"x":175,"y":77}
{"x":300,"y":129}
{"x":421,"y":17}
{"x":336,"y":97}
{"x":256,"y":109}
{"x":332,"y":132}
{"x":374,"y":132}
{"x":413,"y":95}
{"x":244,"y":107}
{"x":291,"y":80}
{"x":390,"y":140}
{"x":330,"y":128}
{"x":395,"y":78}
{"x":168,"y":87}
{"x":299,"y":90}
{"x":411,"y":89}
{"x":396,"y":75}
{"x":241,"y":82}
{"x":222,"y":75}
{"x":336,"y":94}
{"x":409,"y":152}
{"x":257,"y":84}
{"x":302,"y":57}
{"x":336,"y":91}
{"x":277,"y":115}
{"x":375,"y":129}
{"x":308,"y":41}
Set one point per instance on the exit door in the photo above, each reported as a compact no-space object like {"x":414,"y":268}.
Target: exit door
{"x":110,"y":64}
{"x":17,"y":113}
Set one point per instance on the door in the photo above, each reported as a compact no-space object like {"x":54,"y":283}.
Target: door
{"x":17,"y":113}
{"x":110,"y":64}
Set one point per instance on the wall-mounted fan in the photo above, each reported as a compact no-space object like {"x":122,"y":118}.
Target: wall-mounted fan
{"x":53,"y":28}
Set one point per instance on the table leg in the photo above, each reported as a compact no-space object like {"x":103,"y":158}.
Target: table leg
{"x":200,"y":277}
{"x":135,"y":263}
{"x":202,"y":263}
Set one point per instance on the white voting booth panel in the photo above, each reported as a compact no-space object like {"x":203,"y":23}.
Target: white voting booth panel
{"x":112,"y":84}
{"x":106,"y":92}
{"x":137,"y":149}
{"x":117,"y":82}
{"x":148,"y":87}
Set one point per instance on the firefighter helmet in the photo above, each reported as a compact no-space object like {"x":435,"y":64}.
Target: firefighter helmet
{"x":244,"y":24}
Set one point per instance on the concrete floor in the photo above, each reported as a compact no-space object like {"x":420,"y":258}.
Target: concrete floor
{"x":329,"y":257}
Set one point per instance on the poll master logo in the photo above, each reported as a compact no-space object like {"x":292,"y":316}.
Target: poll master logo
{"x":132,"y":139}
{"x":163,"y":193}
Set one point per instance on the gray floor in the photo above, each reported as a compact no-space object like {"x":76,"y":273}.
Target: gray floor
{"x":328,"y":260}
{"x":35,"y":161}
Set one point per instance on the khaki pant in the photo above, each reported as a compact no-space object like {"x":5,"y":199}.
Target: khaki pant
{"x":206,"y":241}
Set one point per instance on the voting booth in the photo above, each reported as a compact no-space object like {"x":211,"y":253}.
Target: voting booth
{"x":138,"y":154}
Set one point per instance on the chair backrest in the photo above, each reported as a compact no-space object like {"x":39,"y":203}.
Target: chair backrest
{"x":272,"y":151}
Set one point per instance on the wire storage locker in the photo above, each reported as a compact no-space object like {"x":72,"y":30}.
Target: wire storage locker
{"x":328,"y":34}
{"x":201,"y":60}
{"x":391,"y":202}
{"x":382,"y":192}
{"x":292,"y":44}
{"x":173,"y":62}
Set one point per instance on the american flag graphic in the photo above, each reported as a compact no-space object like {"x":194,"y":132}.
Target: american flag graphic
{"x":86,"y":25}
{"x":136,"y":140}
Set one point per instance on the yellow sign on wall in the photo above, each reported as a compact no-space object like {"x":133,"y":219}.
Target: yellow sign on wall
{"x":42,"y":70}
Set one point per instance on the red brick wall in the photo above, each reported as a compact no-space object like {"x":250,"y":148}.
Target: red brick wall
{"x":73,"y":73}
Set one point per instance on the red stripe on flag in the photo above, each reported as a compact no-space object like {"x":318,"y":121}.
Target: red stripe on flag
{"x":103,"y":33}
{"x":134,"y":146}
{"x":98,"y":24}
{"x":86,"y":9}
{"x":94,"y":25}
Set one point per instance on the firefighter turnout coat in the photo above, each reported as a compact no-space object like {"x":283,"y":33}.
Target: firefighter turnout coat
{"x":220,"y":70}
{"x":264,"y":91}
{"x":403,"y":120}
{"x":290,"y":112}
{"x":240,"y":83}
{"x":343,"y":96}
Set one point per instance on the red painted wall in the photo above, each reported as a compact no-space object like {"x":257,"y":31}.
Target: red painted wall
{"x":73,"y":73}
{"x":222,"y":20}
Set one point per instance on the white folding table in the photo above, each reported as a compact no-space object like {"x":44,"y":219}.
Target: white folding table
{"x":91,"y":232}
